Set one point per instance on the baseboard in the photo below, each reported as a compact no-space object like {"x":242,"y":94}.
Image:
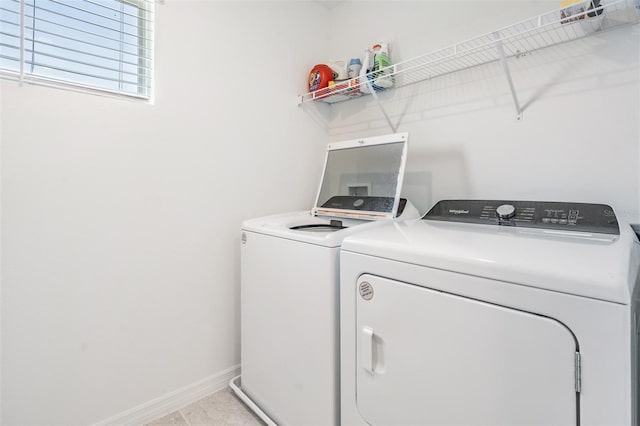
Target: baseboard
{"x":172,"y":401}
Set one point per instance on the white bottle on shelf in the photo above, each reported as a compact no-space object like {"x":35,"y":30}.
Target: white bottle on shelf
{"x":339,"y":68}
{"x":354,"y":67}
{"x":366,"y":67}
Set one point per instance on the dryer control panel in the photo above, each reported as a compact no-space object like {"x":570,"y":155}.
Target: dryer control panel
{"x":580,"y":217}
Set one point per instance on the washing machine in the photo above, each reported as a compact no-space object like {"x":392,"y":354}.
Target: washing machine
{"x":290,"y":282}
{"x":490,"y":312}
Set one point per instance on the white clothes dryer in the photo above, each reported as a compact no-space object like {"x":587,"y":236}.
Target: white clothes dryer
{"x":491,"y":313}
{"x":290,"y":282}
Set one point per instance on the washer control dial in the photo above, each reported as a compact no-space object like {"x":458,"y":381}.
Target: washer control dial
{"x":506,"y":211}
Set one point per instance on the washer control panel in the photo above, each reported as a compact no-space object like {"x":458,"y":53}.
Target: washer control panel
{"x":356,"y":202}
{"x":580,"y":217}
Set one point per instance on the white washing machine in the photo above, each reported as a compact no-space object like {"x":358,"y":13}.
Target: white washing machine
{"x":290,"y":282}
{"x":491,"y":313}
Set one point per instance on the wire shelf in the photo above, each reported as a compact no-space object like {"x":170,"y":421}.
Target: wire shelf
{"x":559,"y":26}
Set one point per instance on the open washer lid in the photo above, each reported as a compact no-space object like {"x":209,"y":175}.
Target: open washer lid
{"x":363,"y":178}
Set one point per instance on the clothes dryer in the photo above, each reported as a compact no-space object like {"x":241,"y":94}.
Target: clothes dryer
{"x":290,"y":282}
{"x":491,"y":313}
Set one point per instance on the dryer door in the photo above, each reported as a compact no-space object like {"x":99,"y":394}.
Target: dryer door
{"x":425,"y":357}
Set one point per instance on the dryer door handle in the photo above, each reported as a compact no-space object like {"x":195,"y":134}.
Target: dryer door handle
{"x":367,"y":349}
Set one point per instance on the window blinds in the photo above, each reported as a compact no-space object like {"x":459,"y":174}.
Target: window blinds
{"x":97,"y":44}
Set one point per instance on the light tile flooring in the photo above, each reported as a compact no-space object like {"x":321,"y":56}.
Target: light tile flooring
{"x":220,"y":408}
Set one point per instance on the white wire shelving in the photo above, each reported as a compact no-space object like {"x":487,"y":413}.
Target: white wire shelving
{"x":559,"y":26}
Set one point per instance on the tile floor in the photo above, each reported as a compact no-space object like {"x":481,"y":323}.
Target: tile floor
{"x":220,"y":408}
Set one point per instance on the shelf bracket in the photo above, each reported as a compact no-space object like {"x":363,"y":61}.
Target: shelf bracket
{"x":505,"y":68}
{"x":384,"y":112}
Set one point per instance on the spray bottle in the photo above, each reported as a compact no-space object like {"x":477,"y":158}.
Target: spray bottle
{"x":366,"y":67}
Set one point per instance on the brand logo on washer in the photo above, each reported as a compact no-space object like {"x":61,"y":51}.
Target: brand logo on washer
{"x":366,"y":290}
{"x":453,"y":211}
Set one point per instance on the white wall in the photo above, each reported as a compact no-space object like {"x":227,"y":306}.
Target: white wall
{"x":578,"y":139}
{"x":120,"y":220}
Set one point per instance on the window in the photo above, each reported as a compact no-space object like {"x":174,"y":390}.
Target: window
{"x":97,"y":44}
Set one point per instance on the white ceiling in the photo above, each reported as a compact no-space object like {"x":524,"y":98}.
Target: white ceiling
{"x":329,"y":4}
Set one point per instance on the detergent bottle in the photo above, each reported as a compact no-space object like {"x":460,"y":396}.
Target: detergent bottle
{"x":354,"y":67}
{"x":381,"y":60}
